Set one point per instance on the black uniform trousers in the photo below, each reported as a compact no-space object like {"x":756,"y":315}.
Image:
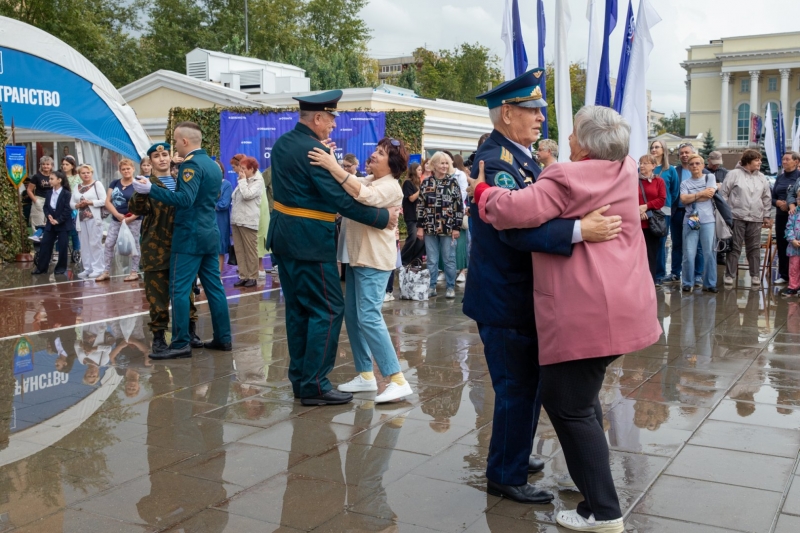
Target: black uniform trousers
{"x":314,"y":313}
{"x":49,"y":239}
{"x":781,"y":219}
{"x":570,"y":395}
{"x":512,"y":356}
{"x":156,"y":290}
{"x":652,"y":243}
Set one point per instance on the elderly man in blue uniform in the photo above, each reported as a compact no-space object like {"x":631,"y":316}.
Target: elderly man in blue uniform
{"x":499,"y":290}
{"x":307,"y":199}
{"x":195,"y":241}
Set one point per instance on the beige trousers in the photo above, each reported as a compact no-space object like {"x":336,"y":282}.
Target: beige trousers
{"x":245,"y":243}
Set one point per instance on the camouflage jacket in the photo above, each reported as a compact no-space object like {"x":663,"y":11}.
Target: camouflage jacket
{"x":157,"y":224}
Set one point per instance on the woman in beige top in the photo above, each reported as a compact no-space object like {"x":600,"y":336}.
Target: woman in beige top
{"x":372,"y":253}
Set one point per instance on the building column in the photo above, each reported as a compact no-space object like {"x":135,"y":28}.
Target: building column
{"x":755,"y":75}
{"x":788,"y":114}
{"x":724,"y":110}
{"x":688,"y":105}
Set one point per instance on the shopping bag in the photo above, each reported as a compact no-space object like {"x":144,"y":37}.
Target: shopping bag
{"x":415,"y":281}
{"x":126,"y":244}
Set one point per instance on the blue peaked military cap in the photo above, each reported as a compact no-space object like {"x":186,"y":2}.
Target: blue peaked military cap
{"x":158,"y":147}
{"x":523,"y":91}
{"x":320,"y":102}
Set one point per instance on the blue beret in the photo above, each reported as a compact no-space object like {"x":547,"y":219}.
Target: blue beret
{"x":524,"y":90}
{"x":158,"y":147}
{"x":320,"y":102}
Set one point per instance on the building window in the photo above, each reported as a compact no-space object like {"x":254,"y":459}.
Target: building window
{"x":772,"y":84}
{"x":745,"y":85}
{"x":397,"y":68}
{"x":743,"y":122}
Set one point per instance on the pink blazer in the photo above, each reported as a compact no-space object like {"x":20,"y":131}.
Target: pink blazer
{"x":601,"y":301}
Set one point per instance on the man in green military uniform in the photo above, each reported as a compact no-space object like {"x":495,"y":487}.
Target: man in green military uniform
{"x":307,"y":199}
{"x":195,"y":241}
{"x":156,"y":243}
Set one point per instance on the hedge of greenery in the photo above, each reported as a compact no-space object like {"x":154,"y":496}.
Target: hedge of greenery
{"x":12,"y":241}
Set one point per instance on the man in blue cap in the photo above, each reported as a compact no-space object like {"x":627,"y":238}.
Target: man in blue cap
{"x":499,"y":290}
{"x":307,"y":199}
{"x":194,"y":241}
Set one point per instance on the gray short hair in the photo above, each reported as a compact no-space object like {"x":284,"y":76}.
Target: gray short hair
{"x":795,"y":155}
{"x":603,"y":132}
{"x":496,"y":114}
{"x":45,"y":159}
{"x":550,"y":145}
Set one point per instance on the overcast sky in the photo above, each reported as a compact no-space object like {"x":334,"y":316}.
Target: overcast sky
{"x":400,"y":26}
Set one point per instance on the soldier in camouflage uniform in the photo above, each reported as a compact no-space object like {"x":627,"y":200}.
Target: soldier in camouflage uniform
{"x":156,"y":244}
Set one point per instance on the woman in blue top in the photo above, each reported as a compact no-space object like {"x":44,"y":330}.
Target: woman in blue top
{"x":670,"y":176}
{"x":224,"y":217}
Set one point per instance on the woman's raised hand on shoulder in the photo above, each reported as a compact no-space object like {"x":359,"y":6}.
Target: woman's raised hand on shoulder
{"x":324,"y":159}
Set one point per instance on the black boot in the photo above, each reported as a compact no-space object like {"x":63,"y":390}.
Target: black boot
{"x":159,"y":342}
{"x":194,"y":340}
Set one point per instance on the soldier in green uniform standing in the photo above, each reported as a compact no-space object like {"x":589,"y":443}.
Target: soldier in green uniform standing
{"x":194,"y":241}
{"x":156,"y":243}
{"x":307,"y":199}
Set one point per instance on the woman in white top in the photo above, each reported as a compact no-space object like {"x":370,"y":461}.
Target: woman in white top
{"x":87,"y":198}
{"x":245,"y":217}
{"x":372,"y":255}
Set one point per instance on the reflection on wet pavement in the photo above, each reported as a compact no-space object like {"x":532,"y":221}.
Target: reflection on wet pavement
{"x":703,"y":427}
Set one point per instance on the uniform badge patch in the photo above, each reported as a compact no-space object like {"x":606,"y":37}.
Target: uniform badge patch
{"x":506,"y":156}
{"x":505,"y":180}
{"x":188,"y":174}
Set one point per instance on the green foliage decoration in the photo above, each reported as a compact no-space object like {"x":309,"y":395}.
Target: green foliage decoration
{"x":12,"y":242}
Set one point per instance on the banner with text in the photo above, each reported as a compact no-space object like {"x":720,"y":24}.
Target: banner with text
{"x":16,"y":164}
{"x":254,"y":135}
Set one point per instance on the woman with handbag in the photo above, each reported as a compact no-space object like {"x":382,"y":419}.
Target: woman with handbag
{"x":652,"y":197}
{"x":117,"y":197}
{"x":88,"y":198}
{"x":699,"y":224}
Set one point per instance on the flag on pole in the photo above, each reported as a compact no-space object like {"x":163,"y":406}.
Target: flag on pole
{"x":781,"y":134}
{"x":563,"y":96}
{"x":595,"y":15}
{"x":769,"y":142}
{"x":515,"y":62}
{"x":542,"y":32}
{"x":625,"y":58}
{"x":796,"y":135}
{"x":755,"y":128}
{"x":603,"y":82}
{"x":634,"y":101}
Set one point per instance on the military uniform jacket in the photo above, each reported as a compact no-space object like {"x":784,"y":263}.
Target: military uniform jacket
{"x":499,"y":290}
{"x":157,"y":224}
{"x":195,"y":199}
{"x":312,"y":190}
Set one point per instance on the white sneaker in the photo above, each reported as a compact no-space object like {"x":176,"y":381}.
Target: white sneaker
{"x":755,"y":282}
{"x":450,"y":293}
{"x":359,"y":384}
{"x":35,"y":238}
{"x":780,"y":281}
{"x":84,"y":274}
{"x":461,"y":278}
{"x":389,"y":297}
{"x":565,"y":482}
{"x":728,"y":280}
{"x":572,"y":520}
{"x":431,"y":293}
{"x":441,"y":277}
{"x":262,"y":274}
{"x":394,"y":392}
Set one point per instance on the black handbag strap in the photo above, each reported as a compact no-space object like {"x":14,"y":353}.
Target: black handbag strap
{"x":641,"y":186}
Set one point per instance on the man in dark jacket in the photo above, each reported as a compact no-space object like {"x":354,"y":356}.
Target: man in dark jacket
{"x":714,"y":166}
{"x":784,"y":194}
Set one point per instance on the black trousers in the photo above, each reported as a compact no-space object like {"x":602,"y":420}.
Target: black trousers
{"x":781,"y":219}
{"x":413,"y":248}
{"x":653,"y":243}
{"x":569,"y":394}
{"x":49,"y":239}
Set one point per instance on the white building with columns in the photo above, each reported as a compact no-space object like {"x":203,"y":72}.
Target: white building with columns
{"x":730,"y":78}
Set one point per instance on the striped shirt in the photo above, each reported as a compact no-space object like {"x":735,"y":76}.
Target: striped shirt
{"x":168,"y":181}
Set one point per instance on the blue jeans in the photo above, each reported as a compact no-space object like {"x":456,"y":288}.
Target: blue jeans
{"x":705,"y":236}
{"x":661,"y":259}
{"x":364,"y":291}
{"x":676,"y":227}
{"x":444,"y":245}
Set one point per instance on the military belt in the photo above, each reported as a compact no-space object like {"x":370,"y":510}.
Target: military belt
{"x":305,"y":213}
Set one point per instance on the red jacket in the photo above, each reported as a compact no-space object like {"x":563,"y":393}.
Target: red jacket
{"x":656,"y":191}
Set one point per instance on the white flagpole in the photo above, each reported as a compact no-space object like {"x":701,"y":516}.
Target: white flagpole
{"x":769,"y":142}
{"x":594,"y":12}
{"x":507,"y":35}
{"x":634,"y":102}
{"x":563,"y":96}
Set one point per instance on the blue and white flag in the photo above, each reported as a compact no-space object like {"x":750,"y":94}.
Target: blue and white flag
{"x":594,"y":15}
{"x":625,"y":59}
{"x":515,"y":61}
{"x":781,"y":133}
{"x":796,"y":135}
{"x":603,"y":82}
{"x":563,"y":95}
{"x":541,"y":27}
{"x":769,"y":142}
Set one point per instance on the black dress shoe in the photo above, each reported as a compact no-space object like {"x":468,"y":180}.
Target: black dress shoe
{"x":711,"y":289}
{"x":686,"y":288}
{"x":240,"y":283}
{"x":173,"y":353}
{"x":36,"y":272}
{"x":59,"y":272}
{"x":250,"y":283}
{"x":194,"y":340}
{"x":535,"y":465}
{"x":219,"y":346}
{"x":332,"y":397}
{"x":526,"y":493}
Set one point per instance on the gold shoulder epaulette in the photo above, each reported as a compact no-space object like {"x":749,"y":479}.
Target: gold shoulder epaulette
{"x":506,"y":156}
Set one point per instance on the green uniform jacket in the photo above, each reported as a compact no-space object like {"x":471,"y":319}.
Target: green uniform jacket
{"x":195,"y":198}
{"x":157,"y":225}
{"x":297,"y":183}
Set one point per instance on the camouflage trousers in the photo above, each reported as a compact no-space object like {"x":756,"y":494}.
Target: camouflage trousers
{"x":156,"y":290}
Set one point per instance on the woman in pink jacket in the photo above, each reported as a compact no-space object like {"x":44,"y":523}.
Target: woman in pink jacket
{"x":591,"y":307}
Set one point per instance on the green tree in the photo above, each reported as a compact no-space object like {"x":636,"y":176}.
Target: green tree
{"x":407,"y":79}
{"x":672,"y":124}
{"x":459,"y":74}
{"x":577,"y":80}
{"x":709,"y":145}
{"x":175,"y":28}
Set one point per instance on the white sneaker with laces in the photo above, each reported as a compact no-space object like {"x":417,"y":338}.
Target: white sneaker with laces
{"x":461,"y":278}
{"x":394,"y":392}
{"x":389,"y":297}
{"x":84,"y":274}
{"x":572,"y":520}
{"x":755,"y":282}
{"x":450,"y":293}
{"x":728,"y":280}
{"x":262,"y":274}
{"x":359,"y":384}
{"x":441,"y":277}
{"x":780,"y":281}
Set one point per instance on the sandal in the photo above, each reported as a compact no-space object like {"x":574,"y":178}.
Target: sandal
{"x":103,"y":277}
{"x":133,"y":276}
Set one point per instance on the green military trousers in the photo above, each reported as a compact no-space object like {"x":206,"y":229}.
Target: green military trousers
{"x":183,"y":269}
{"x":314,"y":312}
{"x":156,"y":290}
